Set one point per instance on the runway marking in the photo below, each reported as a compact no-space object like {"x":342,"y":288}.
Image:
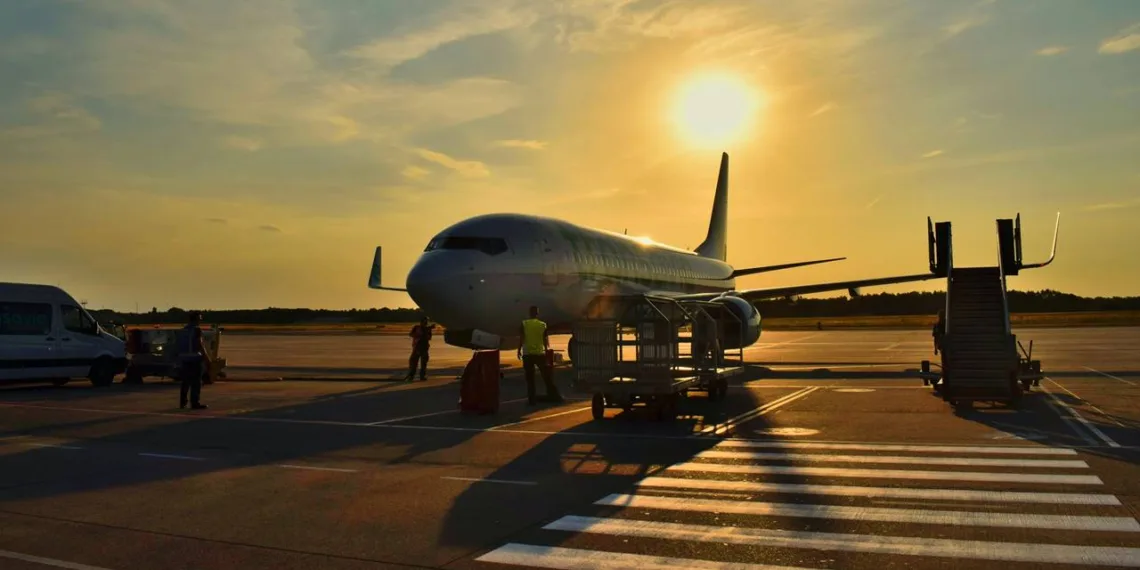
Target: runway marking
{"x":535,"y":419}
{"x":734,"y":421}
{"x":917,"y":460}
{"x":793,"y":341}
{"x":879,"y":514}
{"x":432,"y":414}
{"x":1130,"y":383}
{"x":1089,"y":404}
{"x":288,"y":466}
{"x":530,"y":556}
{"x":168,"y":456}
{"x":890,"y":346}
{"x":48,"y":561}
{"x":483,"y":480}
{"x":881,"y":492}
{"x":945,"y":548}
{"x":890,"y":473}
{"x":1089,"y":425}
{"x":1023,"y":450}
{"x":52,"y":445}
{"x":458,"y":429}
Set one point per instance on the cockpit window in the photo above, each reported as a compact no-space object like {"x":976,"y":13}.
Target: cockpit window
{"x":489,"y":246}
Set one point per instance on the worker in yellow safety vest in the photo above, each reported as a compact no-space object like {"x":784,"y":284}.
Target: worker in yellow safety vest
{"x":535,"y":341}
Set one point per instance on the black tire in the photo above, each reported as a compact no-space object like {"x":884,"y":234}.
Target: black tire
{"x":598,"y":407}
{"x":102,"y":372}
{"x":60,"y":381}
{"x":571,"y":346}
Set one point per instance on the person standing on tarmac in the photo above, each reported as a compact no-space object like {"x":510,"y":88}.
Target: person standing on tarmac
{"x":532,"y":351}
{"x":939,"y":330}
{"x":193,"y":356}
{"x":421,"y":345}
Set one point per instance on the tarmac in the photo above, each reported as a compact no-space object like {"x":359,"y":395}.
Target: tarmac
{"x":827,"y":453}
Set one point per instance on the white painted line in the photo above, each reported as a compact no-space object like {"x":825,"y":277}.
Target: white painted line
{"x":167,"y":456}
{"x":891,"y":474}
{"x":890,"y":346}
{"x":1058,"y":406}
{"x":968,"y":461}
{"x":763,"y":409}
{"x":52,"y":445}
{"x":879,"y":514}
{"x":530,"y":556}
{"x":538,"y":418}
{"x":1129,"y":382}
{"x":1089,"y":425}
{"x":962,"y":549}
{"x":880,"y":492}
{"x":47,"y":561}
{"x":793,"y":341}
{"x":482,"y":480}
{"x":432,"y":414}
{"x":1087,"y":403}
{"x":288,"y":466}
{"x":908,"y":448}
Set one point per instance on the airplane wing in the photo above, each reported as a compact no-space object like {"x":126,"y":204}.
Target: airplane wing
{"x":753,"y":295}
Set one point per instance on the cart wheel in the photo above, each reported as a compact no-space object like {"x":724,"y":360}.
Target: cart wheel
{"x":598,"y":407}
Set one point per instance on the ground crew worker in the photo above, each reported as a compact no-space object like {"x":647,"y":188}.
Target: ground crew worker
{"x":193,"y":361}
{"x":939,"y":330}
{"x":532,"y":351}
{"x":421,"y":345}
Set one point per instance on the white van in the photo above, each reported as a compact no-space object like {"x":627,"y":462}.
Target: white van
{"x":46,"y":335}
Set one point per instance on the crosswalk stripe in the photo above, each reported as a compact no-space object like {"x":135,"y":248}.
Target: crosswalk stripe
{"x":1021,"y":450}
{"x":558,"y":557}
{"x":946,"y":548}
{"x":881,"y":492}
{"x":970,"y":461}
{"x":890,"y":473}
{"x":952,"y":518}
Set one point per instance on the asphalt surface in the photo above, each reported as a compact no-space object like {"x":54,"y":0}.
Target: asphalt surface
{"x":825,"y":454}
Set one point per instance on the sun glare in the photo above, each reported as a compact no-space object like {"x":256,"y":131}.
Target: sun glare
{"x":714,"y":110}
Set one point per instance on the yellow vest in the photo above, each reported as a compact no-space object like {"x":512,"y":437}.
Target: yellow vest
{"x":533,"y":330}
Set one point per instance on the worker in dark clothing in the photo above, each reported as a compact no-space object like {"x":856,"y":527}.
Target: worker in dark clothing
{"x":939,"y":331}
{"x":193,"y":361}
{"x":535,"y":341}
{"x":421,"y":344}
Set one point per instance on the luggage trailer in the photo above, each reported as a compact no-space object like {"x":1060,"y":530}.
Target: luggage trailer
{"x":633,"y":350}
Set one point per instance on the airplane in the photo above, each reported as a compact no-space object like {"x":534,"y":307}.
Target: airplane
{"x":479,"y":277}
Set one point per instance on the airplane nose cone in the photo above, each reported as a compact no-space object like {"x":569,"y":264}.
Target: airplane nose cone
{"x":426,"y":283}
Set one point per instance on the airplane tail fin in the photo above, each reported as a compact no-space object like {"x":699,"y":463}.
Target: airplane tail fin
{"x":716,"y":242}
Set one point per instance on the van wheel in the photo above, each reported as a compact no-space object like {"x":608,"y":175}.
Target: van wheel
{"x":102,"y":372}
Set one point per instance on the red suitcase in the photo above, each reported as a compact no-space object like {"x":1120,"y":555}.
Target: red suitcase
{"x":479,"y":386}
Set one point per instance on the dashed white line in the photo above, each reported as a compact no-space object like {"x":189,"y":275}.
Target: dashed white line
{"x":913,"y":460}
{"x":485,"y":480}
{"x":47,"y":561}
{"x":312,"y":468}
{"x":169,"y":456}
{"x":1129,"y":382}
{"x":917,"y":475}
{"x":1021,"y":450}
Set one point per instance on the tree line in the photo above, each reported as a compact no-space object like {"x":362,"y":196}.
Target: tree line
{"x":880,"y":304}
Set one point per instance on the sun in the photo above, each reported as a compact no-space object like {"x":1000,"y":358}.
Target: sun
{"x":714,"y":109}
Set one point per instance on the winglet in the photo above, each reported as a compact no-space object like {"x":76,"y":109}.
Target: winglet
{"x":374,"y":276}
{"x":715,"y":245}
{"x":1053,"y":253}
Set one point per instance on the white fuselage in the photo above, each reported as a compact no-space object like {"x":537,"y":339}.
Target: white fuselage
{"x":485,"y":272}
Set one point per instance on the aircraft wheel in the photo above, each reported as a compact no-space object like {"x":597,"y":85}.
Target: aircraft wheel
{"x":598,"y":407}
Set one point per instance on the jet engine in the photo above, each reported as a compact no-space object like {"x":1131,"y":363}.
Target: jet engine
{"x":749,"y":317}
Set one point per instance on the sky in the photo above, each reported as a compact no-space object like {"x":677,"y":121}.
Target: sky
{"x":219,"y":154}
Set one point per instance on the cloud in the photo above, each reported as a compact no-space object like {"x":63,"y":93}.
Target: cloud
{"x":877,"y":199}
{"x":1125,"y":41}
{"x":932,"y":153}
{"x":219,"y":221}
{"x":413,"y":172}
{"x":977,"y":16}
{"x":1112,"y":205}
{"x":1052,"y":50}
{"x":826,"y":107}
{"x":53,"y":113}
{"x":515,"y":143}
{"x":242,"y":143}
{"x":467,"y":168}
{"x":269,"y":228}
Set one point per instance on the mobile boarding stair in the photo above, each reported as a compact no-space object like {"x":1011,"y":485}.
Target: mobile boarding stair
{"x":633,"y":350}
{"x":980,"y":353}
